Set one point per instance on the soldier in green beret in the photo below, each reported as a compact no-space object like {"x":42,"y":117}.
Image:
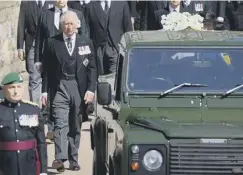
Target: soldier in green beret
{"x":23,"y":148}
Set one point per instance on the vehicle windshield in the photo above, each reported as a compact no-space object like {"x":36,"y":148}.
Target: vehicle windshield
{"x":158,"y":69}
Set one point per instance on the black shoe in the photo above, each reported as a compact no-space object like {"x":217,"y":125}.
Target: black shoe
{"x":58,"y":165}
{"x":74,"y":167}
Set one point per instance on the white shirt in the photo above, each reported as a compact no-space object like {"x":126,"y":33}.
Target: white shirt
{"x":172,"y":9}
{"x":73,"y":41}
{"x":103,"y":4}
{"x":187,"y":2}
{"x":43,"y":2}
{"x":57,"y":15}
{"x":84,"y":1}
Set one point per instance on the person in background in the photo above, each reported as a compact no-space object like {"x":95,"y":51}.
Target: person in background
{"x":27,"y":26}
{"x":69,"y":75}
{"x":49,"y":26}
{"x":108,"y":21}
{"x":147,"y":13}
{"x":234,"y":12}
{"x":23,"y":147}
{"x":79,"y":5}
{"x":192,"y":7}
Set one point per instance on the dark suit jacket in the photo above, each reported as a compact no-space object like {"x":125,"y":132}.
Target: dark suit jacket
{"x":56,"y":54}
{"x":206,"y":8}
{"x":27,"y":23}
{"x":77,"y":6}
{"x":147,"y":15}
{"x":47,"y":28}
{"x":119,"y":22}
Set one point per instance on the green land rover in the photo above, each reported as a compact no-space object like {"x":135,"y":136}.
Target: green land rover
{"x":174,"y":106}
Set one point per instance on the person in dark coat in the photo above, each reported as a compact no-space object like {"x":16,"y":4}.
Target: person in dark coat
{"x":27,"y":26}
{"x":192,"y":7}
{"x":108,"y":21}
{"x":49,"y":26}
{"x":23,"y":149}
{"x":70,"y":77}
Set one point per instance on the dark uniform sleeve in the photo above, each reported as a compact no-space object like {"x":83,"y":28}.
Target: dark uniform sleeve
{"x":41,"y":145}
{"x":92,"y":70}
{"x":21,"y":26}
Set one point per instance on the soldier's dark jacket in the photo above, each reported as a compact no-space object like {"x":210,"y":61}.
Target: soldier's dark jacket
{"x":21,"y":162}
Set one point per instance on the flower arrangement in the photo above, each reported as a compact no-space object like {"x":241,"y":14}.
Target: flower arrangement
{"x":179,"y":21}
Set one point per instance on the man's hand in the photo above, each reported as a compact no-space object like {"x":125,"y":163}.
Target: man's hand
{"x":21,"y":54}
{"x":44,"y":99}
{"x":88,"y":97}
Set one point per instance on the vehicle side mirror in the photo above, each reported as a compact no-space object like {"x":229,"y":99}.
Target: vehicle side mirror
{"x":104,"y":93}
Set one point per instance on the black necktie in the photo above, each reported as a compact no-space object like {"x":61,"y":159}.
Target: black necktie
{"x":39,"y":4}
{"x":106,"y":7}
{"x":61,"y":12}
{"x":69,"y":44}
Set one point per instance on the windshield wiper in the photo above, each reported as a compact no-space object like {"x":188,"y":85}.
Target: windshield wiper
{"x":231,"y":91}
{"x":180,"y":86}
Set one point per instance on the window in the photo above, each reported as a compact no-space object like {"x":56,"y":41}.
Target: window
{"x":158,"y":69}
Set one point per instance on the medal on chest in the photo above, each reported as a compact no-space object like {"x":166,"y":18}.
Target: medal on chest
{"x":28,"y":120}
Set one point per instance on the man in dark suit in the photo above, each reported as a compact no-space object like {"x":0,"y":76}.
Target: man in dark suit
{"x":192,"y":7}
{"x":49,"y":25}
{"x":27,"y":26}
{"x":108,"y":21}
{"x":70,"y":76}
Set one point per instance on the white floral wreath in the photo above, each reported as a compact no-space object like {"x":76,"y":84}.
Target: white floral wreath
{"x":175,"y":21}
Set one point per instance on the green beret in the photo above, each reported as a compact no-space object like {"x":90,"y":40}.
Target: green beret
{"x":12,"y":78}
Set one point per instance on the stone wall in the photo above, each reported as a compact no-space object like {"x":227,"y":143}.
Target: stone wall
{"x":9,"y":11}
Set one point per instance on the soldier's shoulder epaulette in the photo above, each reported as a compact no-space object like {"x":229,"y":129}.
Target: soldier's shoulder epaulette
{"x":30,"y":103}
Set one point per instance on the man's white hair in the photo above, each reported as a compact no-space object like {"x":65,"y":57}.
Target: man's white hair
{"x":71,"y":14}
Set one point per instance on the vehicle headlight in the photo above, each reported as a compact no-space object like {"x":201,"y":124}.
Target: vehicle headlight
{"x":152,"y":160}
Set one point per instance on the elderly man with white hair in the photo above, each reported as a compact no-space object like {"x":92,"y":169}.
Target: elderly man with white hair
{"x":70,"y":77}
